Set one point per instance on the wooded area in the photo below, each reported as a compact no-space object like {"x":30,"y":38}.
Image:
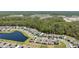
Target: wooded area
{"x":54,"y":25}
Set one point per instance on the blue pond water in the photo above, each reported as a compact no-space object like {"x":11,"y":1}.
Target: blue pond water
{"x":16,"y":36}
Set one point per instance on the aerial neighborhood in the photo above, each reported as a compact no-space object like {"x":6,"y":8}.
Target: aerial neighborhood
{"x":39,"y":31}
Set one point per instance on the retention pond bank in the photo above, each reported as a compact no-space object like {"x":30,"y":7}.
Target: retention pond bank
{"x":16,"y":36}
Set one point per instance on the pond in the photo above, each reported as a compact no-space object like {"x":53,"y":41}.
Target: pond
{"x":16,"y":36}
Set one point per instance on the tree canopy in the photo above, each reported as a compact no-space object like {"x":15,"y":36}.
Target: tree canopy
{"x":54,"y":25}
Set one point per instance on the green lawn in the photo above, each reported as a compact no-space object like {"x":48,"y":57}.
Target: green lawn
{"x":60,"y":45}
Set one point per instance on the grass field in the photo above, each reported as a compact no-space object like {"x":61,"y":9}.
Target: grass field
{"x":61,"y":45}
